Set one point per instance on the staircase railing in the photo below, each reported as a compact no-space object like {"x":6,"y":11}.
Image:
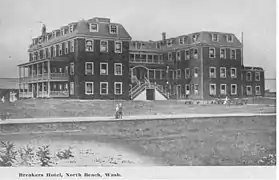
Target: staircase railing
{"x":136,"y":92}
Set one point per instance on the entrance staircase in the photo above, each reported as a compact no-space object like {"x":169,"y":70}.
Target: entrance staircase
{"x":141,"y":86}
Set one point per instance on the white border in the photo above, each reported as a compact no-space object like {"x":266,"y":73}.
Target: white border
{"x":92,"y":72}
{"x":221,"y":89}
{"x":235,"y":89}
{"x":210,"y":89}
{"x":106,"y":69}
{"x":85,"y":88}
{"x":121,"y":89}
{"x":101,"y":83}
{"x":115,"y":64}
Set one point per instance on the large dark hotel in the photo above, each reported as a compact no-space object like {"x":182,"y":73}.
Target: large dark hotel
{"x":97,"y":59}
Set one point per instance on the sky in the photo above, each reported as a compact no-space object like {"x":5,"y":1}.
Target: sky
{"x":144,"y":20}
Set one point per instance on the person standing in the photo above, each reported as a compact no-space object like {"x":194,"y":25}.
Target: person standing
{"x":120,"y":111}
{"x":117,"y":112}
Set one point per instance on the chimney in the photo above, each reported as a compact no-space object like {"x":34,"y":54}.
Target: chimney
{"x":164,"y":36}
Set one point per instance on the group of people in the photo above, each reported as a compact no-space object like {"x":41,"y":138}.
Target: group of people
{"x":118,"y":111}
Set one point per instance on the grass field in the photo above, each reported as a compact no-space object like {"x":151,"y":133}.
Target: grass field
{"x":68,"y":108}
{"x":205,"y":141}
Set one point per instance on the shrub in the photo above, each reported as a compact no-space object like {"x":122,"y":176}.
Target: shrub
{"x":27,"y":156}
{"x":65,"y":154}
{"x":7,"y":153}
{"x":44,"y":156}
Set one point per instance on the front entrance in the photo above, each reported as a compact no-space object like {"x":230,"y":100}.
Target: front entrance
{"x":140,"y":72}
{"x":150,"y":94}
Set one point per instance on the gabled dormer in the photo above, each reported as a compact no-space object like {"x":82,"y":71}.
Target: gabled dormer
{"x":113,"y":29}
{"x":62,"y":31}
{"x":48,"y":36}
{"x":169,"y":42}
{"x":35,"y":41}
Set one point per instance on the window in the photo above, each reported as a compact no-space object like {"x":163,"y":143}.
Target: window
{"x":215,"y":37}
{"x":249,"y":90}
{"x":187,"y":89}
{"x":151,"y":73}
{"x":118,"y":88}
{"x":212,"y":72}
{"x":211,"y":52}
{"x":118,"y":47}
{"x":66,"y":47}
{"x":89,"y":88}
{"x":187,"y":73}
{"x":138,"y":45}
{"x":196,"y":72}
{"x":89,"y":45}
{"x":233,"y":73}
{"x":103,"y":88}
{"x":72,"y":69}
{"x":72,"y":45}
{"x":196,"y":89}
{"x":118,"y":69}
{"x":229,"y":38}
{"x":89,"y":68}
{"x":212,"y":89}
{"x":39,"y":55}
{"x":195,"y":37}
{"x":158,"y":45}
{"x":169,"y":42}
{"x":257,"y":76}
{"x":49,"y":52}
{"x":44,"y":53}
{"x":178,"y":55}
{"x":103,"y":68}
{"x":54,"y":51}
{"x":181,"y":40}
{"x":223,"y":89}
{"x":233,"y":89}
{"x":62,"y":32}
{"x":60,"y":49}
{"x":258,"y":90}
{"x":71,"y":28}
{"x":53,"y":35}
{"x":195,"y":53}
{"x":103,"y":46}
{"x":248,"y":76}
{"x":169,"y":56}
{"x":233,"y":54}
{"x":113,"y":29}
{"x":222,"y":53}
{"x":178,"y":74}
{"x":185,"y":39}
{"x":93,"y":28}
{"x":187,"y":55}
{"x":223,"y":72}
{"x":72,"y":88}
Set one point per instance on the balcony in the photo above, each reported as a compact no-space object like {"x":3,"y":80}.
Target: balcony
{"x":146,"y":61}
{"x":44,"y":94}
{"x":45,"y":77}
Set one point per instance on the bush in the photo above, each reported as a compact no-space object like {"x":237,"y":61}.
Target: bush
{"x":44,"y":156}
{"x":27,"y":156}
{"x":65,"y":154}
{"x":7,"y":153}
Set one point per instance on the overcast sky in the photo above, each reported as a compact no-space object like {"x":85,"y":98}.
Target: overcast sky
{"x":144,"y":20}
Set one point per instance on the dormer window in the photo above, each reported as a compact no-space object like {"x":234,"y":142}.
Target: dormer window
{"x":47,"y":36}
{"x":62,"y":32}
{"x":185,"y":39}
{"x":169,"y":42}
{"x":158,"y":45}
{"x":229,"y":38}
{"x":54,"y":34}
{"x":181,"y":41}
{"x":93,"y":28}
{"x":215,"y":37}
{"x":41,"y":40}
{"x":71,"y":28}
{"x":138,"y":45}
{"x":195,"y":37}
{"x":113,"y":29}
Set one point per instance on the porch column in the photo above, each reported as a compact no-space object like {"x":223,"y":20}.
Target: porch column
{"x":43,"y":90}
{"x":24,"y":80}
{"x":146,"y":57}
{"x":20,"y":80}
{"x":32,"y":87}
{"x":147,"y":73}
{"x":43,"y":70}
{"x":134,"y":56}
{"x":37,"y":89}
{"x":37,"y":71}
{"x":153,"y":58}
{"x":48,"y":85}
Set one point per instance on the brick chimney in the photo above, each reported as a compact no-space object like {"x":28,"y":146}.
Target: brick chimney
{"x":163,"y":36}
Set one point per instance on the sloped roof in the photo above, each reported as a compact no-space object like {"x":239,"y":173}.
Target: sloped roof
{"x":204,"y":37}
{"x":8,"y":83}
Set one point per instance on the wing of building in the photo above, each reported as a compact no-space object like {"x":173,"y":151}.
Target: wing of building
{"x":97,"y":59}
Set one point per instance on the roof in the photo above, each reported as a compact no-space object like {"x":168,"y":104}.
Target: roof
{"x":82,"y":28}
{"x":8,"y":83}
{"x":204,"y":37}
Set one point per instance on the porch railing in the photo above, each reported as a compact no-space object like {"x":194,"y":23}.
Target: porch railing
{"x":44,"y":76}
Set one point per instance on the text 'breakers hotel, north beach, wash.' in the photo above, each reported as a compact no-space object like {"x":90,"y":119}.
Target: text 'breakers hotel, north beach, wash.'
{"x":97,"y":59}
